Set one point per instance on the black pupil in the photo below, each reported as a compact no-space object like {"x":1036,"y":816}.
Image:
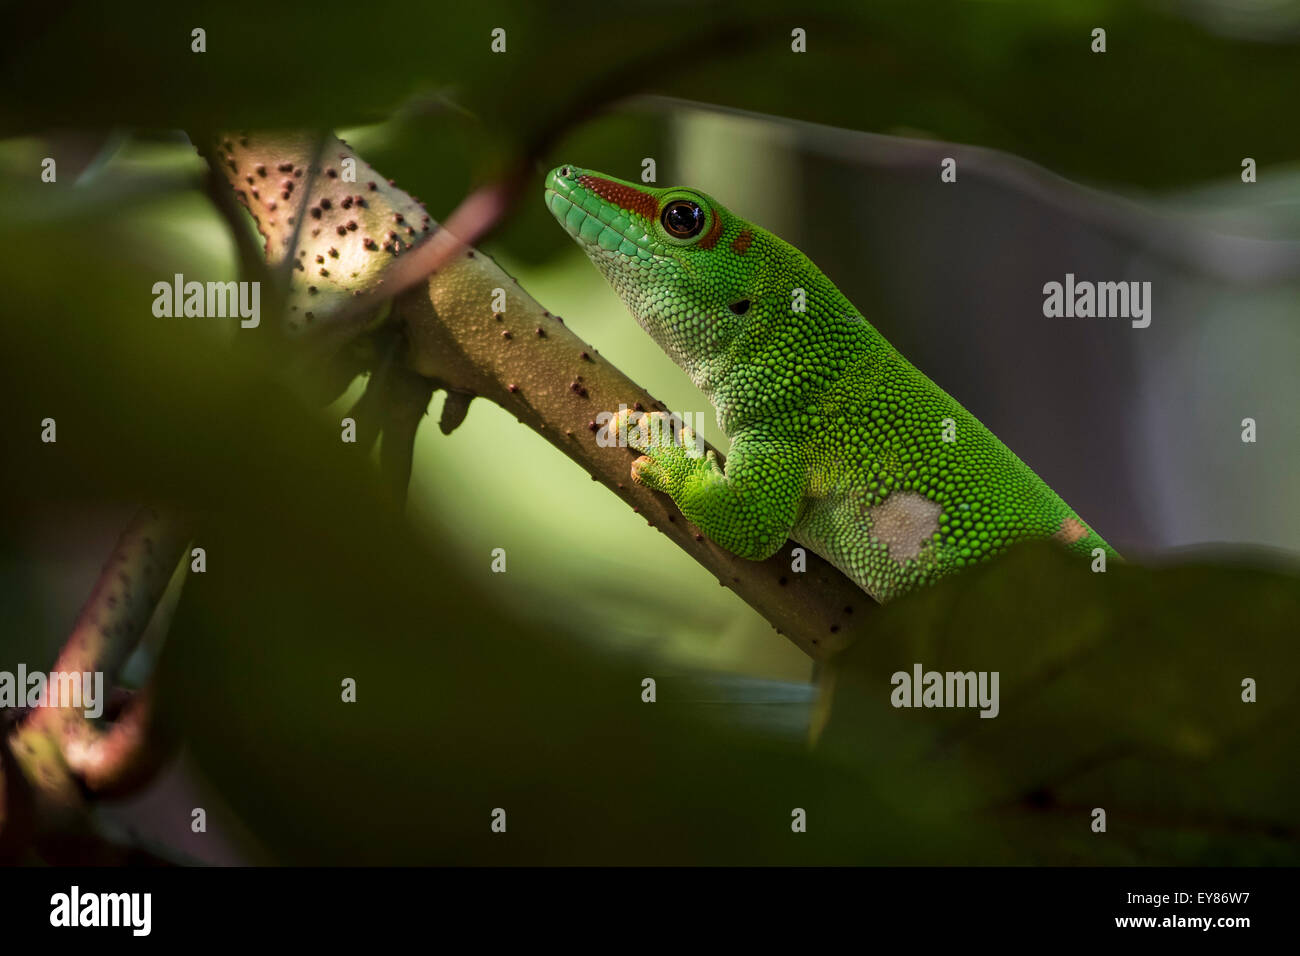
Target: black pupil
{"x":683,"y":219}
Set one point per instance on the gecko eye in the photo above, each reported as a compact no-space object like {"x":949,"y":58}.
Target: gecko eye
{"x":683,"y":219}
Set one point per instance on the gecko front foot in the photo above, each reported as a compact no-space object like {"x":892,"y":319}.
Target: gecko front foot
{"x":671,"y":452}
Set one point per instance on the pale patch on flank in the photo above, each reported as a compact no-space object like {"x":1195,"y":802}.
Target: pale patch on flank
{"x":1072,"y":529}
{"x":904,"y":522}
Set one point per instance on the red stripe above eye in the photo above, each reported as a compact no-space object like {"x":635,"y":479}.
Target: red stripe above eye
{"x":714,"y":234}
{"x":623,"y":196}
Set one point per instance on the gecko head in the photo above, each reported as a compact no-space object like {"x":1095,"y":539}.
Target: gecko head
{"x":684,"y":265}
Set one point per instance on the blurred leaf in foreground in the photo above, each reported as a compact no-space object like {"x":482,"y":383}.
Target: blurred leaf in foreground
{"x":1121,"y":691}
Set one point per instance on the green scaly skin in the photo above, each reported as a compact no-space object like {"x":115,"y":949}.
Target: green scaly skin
{"x":837,"y":441}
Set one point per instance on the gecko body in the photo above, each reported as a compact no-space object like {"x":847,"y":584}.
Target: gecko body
{"x":837,"y":441}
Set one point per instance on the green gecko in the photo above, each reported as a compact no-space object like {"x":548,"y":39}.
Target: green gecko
{"x":837,"y":441}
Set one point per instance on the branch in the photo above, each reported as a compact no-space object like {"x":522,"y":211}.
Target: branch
{"x":522,"y":357}
{"x":55,"y":753}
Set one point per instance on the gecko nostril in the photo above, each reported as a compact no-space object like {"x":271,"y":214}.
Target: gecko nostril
{"x":565,"y":172}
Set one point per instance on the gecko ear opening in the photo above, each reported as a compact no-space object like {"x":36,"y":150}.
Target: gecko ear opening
{"x":740,"y":308}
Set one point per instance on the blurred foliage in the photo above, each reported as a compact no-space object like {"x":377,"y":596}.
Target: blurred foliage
{"x":1017,"y":75}
{"x":1120,"y":690}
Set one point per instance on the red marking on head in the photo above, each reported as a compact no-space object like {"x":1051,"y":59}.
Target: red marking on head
{"x":714,"y":234}
{"x":625,"y":197}
{"x":742,"y":241}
